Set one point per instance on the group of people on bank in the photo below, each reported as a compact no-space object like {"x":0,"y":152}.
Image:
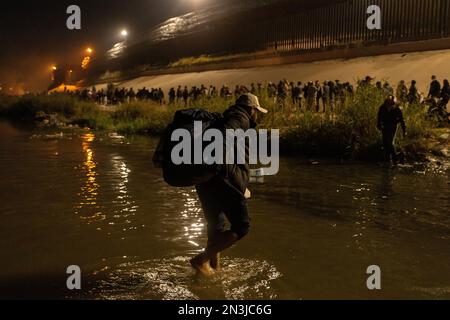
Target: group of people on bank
{"x":313,"y":96}
{"x":309,"y":96}
{"x":117,"y":96}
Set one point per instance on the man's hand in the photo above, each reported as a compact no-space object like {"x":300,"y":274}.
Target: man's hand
{"x":247,"y":194}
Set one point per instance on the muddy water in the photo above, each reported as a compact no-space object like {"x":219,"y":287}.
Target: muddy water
{"x":98,"y":203}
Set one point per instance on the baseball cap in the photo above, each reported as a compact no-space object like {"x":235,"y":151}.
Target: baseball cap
{"x":250,"y":100}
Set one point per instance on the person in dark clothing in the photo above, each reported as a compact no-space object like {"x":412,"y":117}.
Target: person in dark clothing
{"x":413,"y":94}
{"x":311,"y":95}
{"x":332,"y":95}
{"x":282,"y":92}
{"x":319,"y":95}
{"x":172,"y":95}
{"x":445,"y":93}
{"x":402,"y":92}
{"x":179,"y":94}
{"x":326,"y":96}
{"x":435,"y":88}
{"x":388,"y":90}
{"x":160,"y":96}
{"x":296,"y":93}
{"x":349,"y":89}
{"x":389,"y":117}
{"x":185,"y":96}
{"x":225,"y":195}
{"x":339,"y":93}
{"x":379,"y":86}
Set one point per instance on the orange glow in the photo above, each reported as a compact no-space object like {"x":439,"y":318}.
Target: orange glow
{"x":85,"y":62}
{"x":64,"y":88}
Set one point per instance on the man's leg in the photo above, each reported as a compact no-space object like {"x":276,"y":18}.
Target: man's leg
{"x":220,"y":242}
{"x":215,"y":260}
{"x":215,"y":220}
{"x":235,"y":209}
{"x":388,"y":145}
{"x":216,"y":227}
{"x":393,"y":149}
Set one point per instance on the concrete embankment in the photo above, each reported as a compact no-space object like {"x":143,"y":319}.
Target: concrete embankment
{"x":393,"y":67}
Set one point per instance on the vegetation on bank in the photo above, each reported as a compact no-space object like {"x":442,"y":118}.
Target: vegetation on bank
{"x":350,"y":131}
{"x":205,"y":59}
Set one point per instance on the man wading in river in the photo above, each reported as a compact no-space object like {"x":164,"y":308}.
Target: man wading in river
{"x":389,"y":117}
{"x":225,"y":195}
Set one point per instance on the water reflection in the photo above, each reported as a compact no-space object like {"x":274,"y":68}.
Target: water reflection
{"x":88,"y":207}
{"x":193,"y":219}
{"x":124,"y":205}
{"x":386,"y":186}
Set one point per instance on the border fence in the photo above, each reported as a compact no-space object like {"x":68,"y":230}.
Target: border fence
{"x":341,"y":24}
{"x":345,"y":24}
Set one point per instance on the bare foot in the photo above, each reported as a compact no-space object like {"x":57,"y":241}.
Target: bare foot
{"x":202,"y":268}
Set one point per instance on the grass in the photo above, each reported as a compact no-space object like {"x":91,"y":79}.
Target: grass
{"x":348,"y":132}
{"x":204,"y":59}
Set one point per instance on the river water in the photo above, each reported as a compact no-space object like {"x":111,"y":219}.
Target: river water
{"x":88,"y":200}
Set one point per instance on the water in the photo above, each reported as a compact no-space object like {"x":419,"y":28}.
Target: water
{"x":97,"y":202}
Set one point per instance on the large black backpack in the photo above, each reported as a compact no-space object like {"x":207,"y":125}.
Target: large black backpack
{"x":185,"y":175}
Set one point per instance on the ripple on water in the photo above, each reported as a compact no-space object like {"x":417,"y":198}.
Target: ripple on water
{"x":173,"y":279}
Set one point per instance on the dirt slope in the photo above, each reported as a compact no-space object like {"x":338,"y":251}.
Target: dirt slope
{"x":419,"y":66}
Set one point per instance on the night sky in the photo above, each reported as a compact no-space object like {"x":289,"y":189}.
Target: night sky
{"x":33,"y":34}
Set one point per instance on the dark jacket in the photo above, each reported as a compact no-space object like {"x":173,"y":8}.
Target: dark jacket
{"x":390,"y":117}
{"x":236,"y":175}
{"x":435,"y":89}
{"x":445,"y":93}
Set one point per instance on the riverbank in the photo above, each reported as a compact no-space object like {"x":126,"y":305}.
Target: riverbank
{"x":348,"y":133}
{"x":388,"y":66}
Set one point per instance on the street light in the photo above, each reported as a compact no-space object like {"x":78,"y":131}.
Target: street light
{"x":89,"y":50}
{"x":53,"y":69}
{"x":124,"y":33}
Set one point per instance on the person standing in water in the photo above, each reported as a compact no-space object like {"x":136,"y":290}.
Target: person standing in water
{"x":389,"y":117}
{"x":225,"y":196}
